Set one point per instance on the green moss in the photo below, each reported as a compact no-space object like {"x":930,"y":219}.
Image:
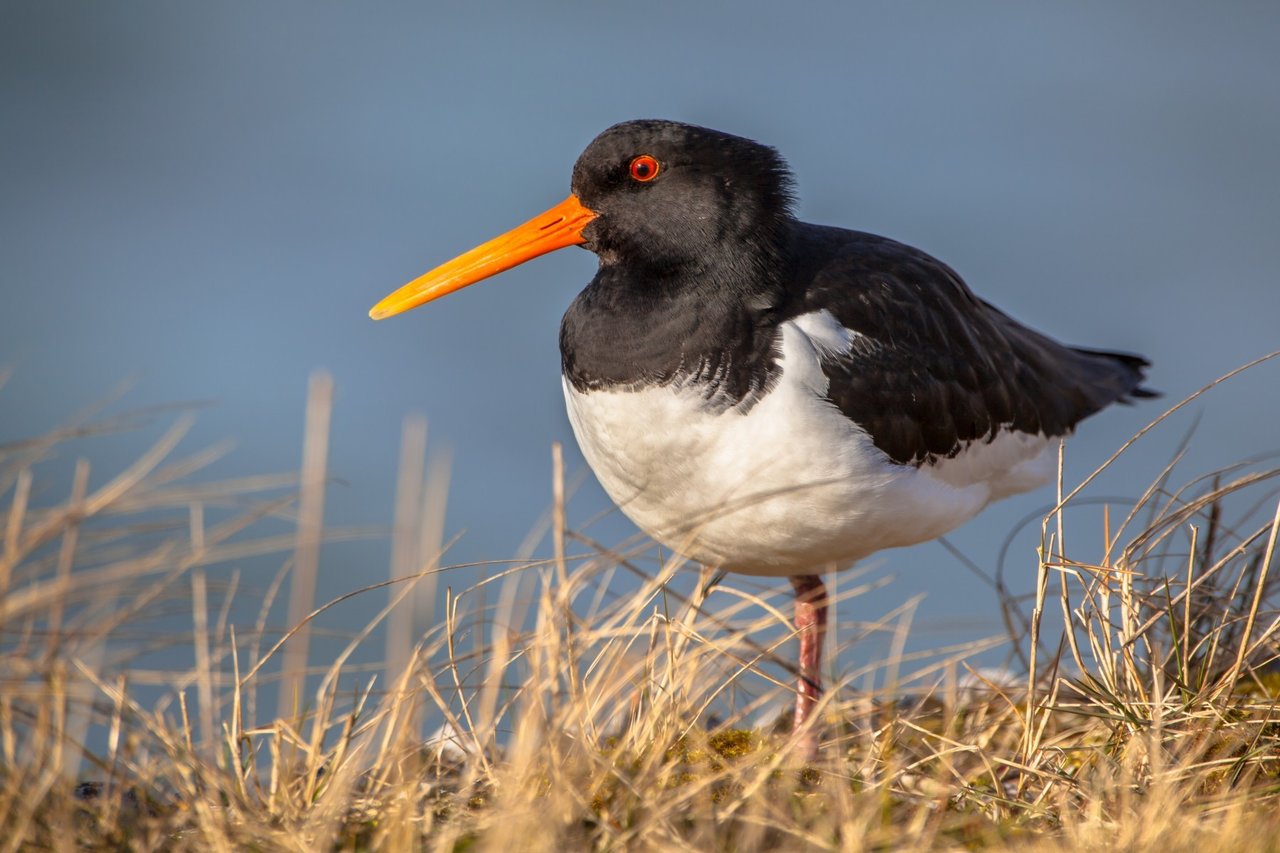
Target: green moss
{"x":732,"y":744}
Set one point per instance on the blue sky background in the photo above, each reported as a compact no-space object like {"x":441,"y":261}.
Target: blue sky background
{"x":204,"y":199}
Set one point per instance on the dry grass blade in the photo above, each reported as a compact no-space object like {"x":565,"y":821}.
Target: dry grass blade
{"x":306,"y":557}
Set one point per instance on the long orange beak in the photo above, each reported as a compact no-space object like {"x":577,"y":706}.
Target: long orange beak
{"x":559,"y":227}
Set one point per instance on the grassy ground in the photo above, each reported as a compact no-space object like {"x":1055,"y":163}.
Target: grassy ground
{"x":567,"y":717}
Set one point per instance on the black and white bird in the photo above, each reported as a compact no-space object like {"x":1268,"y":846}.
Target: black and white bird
{"x":772,"y":397}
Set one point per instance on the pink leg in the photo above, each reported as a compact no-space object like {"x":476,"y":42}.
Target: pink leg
{"x":811,"y":623}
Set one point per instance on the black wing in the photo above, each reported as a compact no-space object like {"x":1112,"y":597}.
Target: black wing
{"x":938,"y":367}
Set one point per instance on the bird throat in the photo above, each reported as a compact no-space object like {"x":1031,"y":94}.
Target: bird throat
{"x":630,"y":330}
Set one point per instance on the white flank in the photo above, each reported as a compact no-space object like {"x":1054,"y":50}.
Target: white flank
{"x":792,"y":485}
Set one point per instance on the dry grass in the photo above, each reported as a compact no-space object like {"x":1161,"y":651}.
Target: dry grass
{"x":569,"y":716}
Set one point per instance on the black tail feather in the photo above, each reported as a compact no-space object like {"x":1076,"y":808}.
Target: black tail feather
{"x":1134,"y":369}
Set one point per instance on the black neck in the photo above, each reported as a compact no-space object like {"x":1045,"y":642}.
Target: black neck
{"x":710,"y":325}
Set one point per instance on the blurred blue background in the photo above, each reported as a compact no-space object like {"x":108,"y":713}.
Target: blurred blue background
{"x":203,"y":201}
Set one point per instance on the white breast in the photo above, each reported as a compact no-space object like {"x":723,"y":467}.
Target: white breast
{"x":791,"y":485}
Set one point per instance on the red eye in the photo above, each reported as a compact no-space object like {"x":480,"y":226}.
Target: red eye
{"x":644,"y":168}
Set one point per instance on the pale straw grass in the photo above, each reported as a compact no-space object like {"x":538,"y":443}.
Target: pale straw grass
{"x":602,"y":698}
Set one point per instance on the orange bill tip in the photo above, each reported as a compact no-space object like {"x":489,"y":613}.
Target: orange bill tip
{"x":559,"y":227}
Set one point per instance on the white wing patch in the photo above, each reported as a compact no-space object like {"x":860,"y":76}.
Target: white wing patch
{"x":826,"y":334}
{"x":806,"y":341}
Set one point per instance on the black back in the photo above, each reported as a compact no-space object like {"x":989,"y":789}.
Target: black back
{"x":938,"y":367}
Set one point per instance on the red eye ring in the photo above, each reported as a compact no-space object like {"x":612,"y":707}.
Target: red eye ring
{"x":644,"y":168}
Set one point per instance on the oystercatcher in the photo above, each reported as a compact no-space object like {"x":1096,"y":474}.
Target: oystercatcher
{"x":773,"y":397}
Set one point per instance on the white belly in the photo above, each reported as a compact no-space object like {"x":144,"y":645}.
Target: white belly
{"x":792,"y":485}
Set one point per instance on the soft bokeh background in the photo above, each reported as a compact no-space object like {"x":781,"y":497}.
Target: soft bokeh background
{"x":203,"y":200}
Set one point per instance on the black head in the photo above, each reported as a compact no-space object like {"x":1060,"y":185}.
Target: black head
{"x":668,"y":202}
{"x":667,"y":194}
